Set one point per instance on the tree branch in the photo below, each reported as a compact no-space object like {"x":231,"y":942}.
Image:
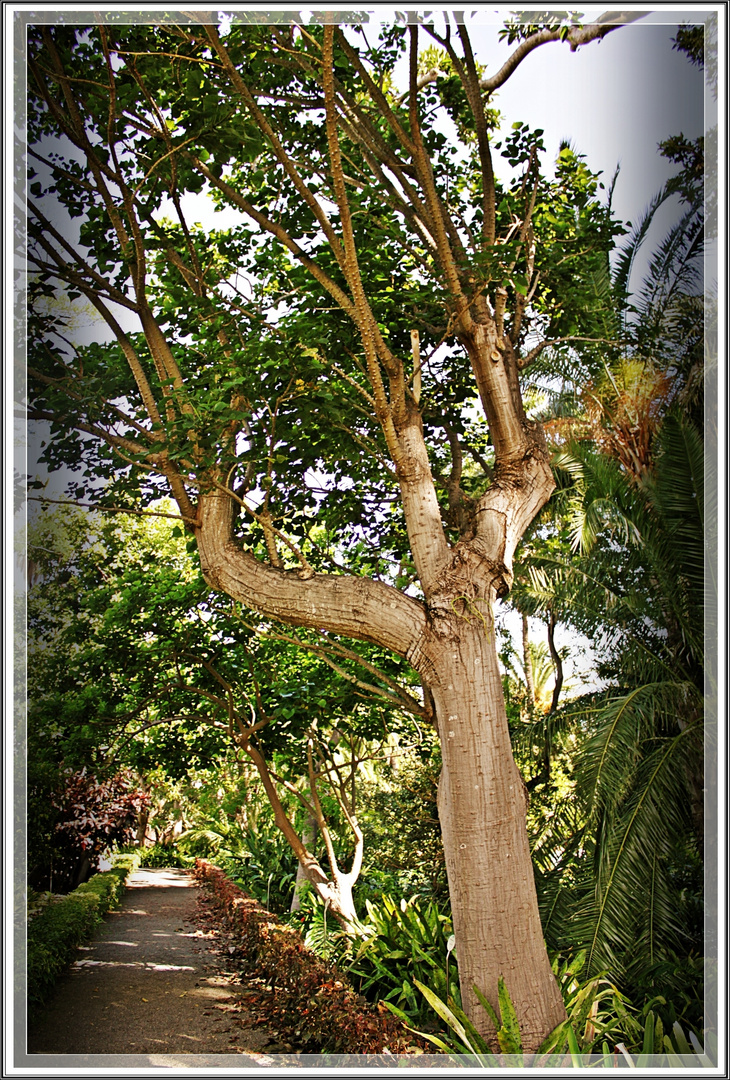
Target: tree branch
{"x":425,"y":175}
{"x":356,"y":607}
{"x":110,"y":509}
{"x":279,"y":150}
{"x":276,"y":230}
{"x":470,"y":79}
{"x":576,"y":36}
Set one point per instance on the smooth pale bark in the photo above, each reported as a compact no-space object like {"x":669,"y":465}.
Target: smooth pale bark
{"x":448,"y":639}
{"x":335,"y":888}
{"x":358,"y":607}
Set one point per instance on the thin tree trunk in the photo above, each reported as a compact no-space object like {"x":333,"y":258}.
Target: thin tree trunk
{"x":336,"y":888}
{"x":527,"y":663}
{"x":558,"y":663}
{"x":141,"y":834}
{"x":309,"y":835}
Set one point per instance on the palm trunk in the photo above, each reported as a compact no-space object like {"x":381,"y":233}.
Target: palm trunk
{"x":527,"y":663}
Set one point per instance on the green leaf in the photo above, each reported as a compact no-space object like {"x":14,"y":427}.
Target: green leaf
{"x":510,"y":1023}
{"x":575,"y":1054}
{"x":445,"y":1013}
{"x":647,"y":1048}
{"x":487,"y":1005}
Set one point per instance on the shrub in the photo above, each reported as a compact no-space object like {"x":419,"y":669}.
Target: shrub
{"x":314,"y":1006}
{"x":264,"y":866}
{"x":403,"y":942}
{"x":596,"y":1015}
{"x":129,"y":861}
{"x":64,"y":923}
{"x":404,"y":854}
{"x":91,"y":815}
{"x":162,"y":855}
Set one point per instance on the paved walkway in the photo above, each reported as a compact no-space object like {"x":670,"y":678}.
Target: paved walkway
{"x":151,"y":982}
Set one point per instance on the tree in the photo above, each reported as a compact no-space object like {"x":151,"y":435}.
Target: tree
{"x":376,"y":280}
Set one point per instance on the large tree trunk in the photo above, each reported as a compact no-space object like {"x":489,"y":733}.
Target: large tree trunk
{"x":449,"y":640}
{"x":482,"y":803}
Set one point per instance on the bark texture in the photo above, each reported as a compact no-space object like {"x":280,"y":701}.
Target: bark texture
{"x":482,"y":804}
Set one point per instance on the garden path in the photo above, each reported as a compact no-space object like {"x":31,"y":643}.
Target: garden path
{"x":153,"y":982}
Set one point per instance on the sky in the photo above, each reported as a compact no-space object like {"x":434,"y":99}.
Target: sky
{"x":614,"y":99}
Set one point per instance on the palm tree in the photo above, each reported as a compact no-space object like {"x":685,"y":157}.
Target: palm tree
{"x":619,"y":873}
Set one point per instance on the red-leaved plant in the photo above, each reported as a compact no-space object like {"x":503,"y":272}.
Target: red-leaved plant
{"x":312,"y":1006}
{"x":93,"y":816}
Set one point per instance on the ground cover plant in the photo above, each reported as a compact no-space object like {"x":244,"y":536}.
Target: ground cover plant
{"x":313,"y":1002}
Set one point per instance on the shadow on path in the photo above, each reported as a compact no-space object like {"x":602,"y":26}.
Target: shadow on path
{"x":149,"y":982}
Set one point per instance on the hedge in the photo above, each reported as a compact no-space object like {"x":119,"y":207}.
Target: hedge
{"x":313,"y":1006}
{"x":55,"y":934}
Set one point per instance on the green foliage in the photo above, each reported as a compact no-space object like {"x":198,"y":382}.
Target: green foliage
{"x":522,"y":27}
{"x":62,"y":924}
{"x":162,"y":855}
{"x":633,"y":891}
{"x":299,"y":375}
{"x":128,"y":861}
{"x":264,"y":866}
{"x":131,"y":647}
{"x":619,"y":867}
{"x":468,"y":1039}
{"x":403,"y":852}
{"x":401,"y":942}
{"x":601,"y":1030}
{"x":228,"y":819}
{"x":320,"y":930}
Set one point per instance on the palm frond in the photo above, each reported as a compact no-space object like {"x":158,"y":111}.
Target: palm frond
{"x":675,"y":268}
{"x":631,"y":246}
{"x":629,"y":859}
{"x":623,"y":729}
